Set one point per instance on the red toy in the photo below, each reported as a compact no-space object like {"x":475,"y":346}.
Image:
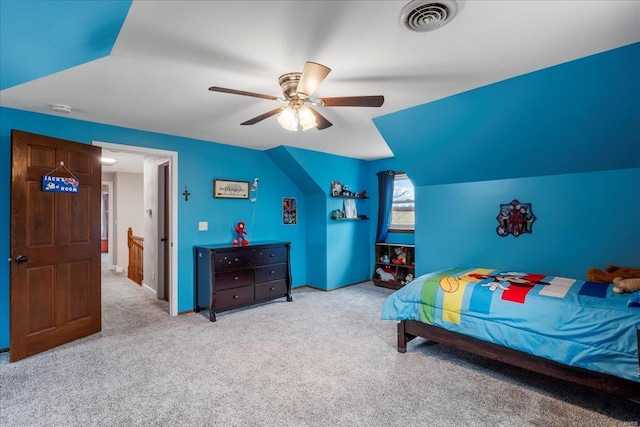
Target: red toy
{"x":240,"y":235}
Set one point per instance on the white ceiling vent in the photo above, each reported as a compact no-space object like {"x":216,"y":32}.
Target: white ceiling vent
{"x":427,"y":15}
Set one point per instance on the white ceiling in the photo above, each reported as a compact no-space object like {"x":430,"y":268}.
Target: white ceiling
{"x":129,"y":162}
{"x":169,"y":53}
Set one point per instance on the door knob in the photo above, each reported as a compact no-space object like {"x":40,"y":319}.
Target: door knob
{"x":21,"y":258}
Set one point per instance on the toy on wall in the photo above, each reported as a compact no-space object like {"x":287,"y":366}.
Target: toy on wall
{"x":346,"y":191}
{"x":337,"y":214}
{"x":240,"y":235}
{"x":515,"y":218}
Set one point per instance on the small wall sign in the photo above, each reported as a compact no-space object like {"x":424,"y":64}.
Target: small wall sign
{"x":230,"y":189}
{"x":60,"y":184}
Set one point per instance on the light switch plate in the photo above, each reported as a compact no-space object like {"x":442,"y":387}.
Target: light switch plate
{"x":203,"y":226}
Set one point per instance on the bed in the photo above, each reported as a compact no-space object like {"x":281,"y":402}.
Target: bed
{"x":570,"y":329}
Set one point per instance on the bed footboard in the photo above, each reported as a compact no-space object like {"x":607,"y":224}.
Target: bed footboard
{"x":409,"y":329}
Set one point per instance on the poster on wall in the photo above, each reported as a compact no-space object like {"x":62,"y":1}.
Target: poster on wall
{"x":289,"y":211}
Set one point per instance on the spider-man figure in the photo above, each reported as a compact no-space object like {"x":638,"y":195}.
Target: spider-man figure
{"x":240,"y":235}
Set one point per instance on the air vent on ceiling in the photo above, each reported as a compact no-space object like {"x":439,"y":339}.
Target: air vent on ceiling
{"x":427,"y":15}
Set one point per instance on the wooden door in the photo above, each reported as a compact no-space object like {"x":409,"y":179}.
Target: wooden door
{"x":55,"y":245}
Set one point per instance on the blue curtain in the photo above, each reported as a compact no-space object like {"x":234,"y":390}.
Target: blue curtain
{"x":385,"y":198}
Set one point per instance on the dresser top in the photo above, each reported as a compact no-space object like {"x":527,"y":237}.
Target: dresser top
{"x":256,"y":244}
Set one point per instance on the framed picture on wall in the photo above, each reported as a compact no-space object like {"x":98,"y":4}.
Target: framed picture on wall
{"x":289,"y":211}
{"x":230,"y":189}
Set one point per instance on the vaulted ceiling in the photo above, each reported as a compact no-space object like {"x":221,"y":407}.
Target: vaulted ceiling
{"x":148,"y":64}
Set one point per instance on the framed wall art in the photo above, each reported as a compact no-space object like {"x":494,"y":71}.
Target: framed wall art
{"x":289,"y":211}
{"x":230,"y":189}
{"x":515,"y":218}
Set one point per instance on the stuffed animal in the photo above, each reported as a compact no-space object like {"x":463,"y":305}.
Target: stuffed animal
{"x":400,"y":256}
{"x":387,"y":277}
{"x":611,"y":272}
{"x":626,"y":285}
{"x":384,"y":259}
{"x":408,"y":278}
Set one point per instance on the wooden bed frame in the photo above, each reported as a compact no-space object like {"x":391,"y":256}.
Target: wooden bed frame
{"x":410,"y":329}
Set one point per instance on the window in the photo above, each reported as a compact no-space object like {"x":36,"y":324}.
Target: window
{"x":403,"y":205}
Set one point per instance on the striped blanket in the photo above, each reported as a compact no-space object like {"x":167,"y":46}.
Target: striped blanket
{"x":574,"y":322}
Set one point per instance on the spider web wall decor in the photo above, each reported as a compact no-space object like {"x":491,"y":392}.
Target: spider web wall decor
{"x":515,"y":218}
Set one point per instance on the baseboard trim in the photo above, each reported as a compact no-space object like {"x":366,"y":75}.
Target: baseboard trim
{"x":149,"y":291}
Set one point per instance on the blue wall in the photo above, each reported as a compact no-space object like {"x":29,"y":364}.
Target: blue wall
{"x":32,"y":35}
{"x":583,"y":221}
{"x":566,"y":139}
{"x":582,"y":116}
{"x":341,"y":256}
{"x":199,"y":163}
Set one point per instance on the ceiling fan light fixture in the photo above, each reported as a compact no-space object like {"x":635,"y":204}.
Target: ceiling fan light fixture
{"x":306,"y":118}
{"x":288,"y":119}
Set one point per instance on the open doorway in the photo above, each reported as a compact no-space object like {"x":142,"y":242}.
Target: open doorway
{"x":155,"y":214}
{"x":106,"y":228}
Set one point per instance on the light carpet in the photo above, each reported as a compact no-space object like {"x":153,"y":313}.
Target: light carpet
{"x":325,"y":359}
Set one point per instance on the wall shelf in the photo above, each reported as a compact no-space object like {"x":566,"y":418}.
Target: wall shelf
{"x":349,"y":197}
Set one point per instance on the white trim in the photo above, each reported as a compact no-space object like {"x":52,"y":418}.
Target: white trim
{"x":173,"y":170}
{"x":110,"y":250}
{"x":149,"y":291}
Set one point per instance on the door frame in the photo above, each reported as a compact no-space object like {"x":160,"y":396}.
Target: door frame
{"x":173,"y":210}
{"x":111,"y":250}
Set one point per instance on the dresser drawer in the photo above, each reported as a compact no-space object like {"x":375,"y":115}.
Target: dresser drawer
{"x":271,"y":255}
{"x":234,"y":297}
{"x":271,"y":272}
{"x":227,"y":260}
{"x":269,"y":290}
{"x":234,"y":279}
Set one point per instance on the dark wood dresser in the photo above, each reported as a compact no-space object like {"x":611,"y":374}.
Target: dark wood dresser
{"x":229,"y":277}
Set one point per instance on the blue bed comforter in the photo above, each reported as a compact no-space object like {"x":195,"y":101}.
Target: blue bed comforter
{"x":573,"y":322}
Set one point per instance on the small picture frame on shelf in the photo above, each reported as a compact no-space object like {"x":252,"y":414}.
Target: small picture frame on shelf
{"x":336,"y":188}
{"x":350,"y":209}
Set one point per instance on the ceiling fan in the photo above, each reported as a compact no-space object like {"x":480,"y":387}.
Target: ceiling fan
{"x":298,"y":89}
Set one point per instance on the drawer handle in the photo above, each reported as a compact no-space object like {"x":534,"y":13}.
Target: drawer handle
{"x":272,"y":289}
{"x":236,"y":259}
{"x":236,"y":297}
{"x":272,"y":255}
{"x":272,"y":272}
{"x":236,"y":278}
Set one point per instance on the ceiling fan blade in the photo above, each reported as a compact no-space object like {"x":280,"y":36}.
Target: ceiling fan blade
{"x":321,"y":121}
{"x":353,"y":101}
{"x":312,"y":75}
{"x":261,"y":117}
{"x":242,"y":92}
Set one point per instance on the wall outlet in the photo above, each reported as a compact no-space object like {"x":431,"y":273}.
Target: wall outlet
{"x":203,"y":226}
